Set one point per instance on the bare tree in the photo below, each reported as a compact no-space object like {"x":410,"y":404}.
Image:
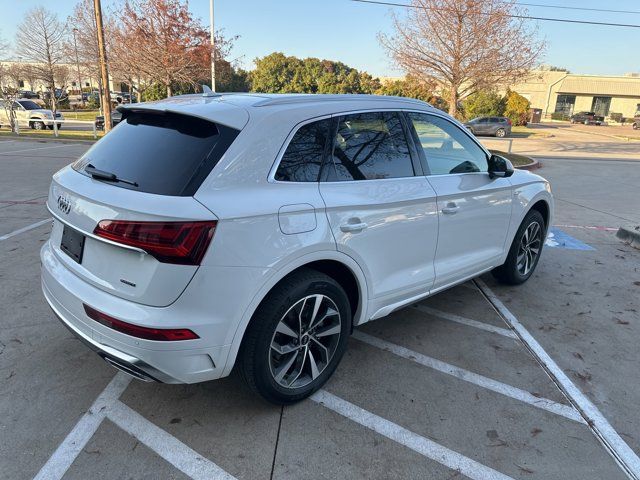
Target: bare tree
{"x":40,"y":41}
{"x":15,"y":73}
{"x":30,"y":75}
{"x":464,"y":45}
{"x":84,"y":21}
{"x":4,"y":47}
{"x":62,"y":75}
{"x":169,"y":45}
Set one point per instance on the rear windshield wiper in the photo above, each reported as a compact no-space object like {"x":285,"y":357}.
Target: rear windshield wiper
{"x":104,"y":175}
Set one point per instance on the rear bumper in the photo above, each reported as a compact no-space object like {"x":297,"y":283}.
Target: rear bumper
{"x":120,"y":360}
{"x":188,"y":361}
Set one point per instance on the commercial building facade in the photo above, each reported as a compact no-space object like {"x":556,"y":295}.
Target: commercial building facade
{"x":565,"y":93}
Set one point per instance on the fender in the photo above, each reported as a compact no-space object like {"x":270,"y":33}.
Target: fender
{"x":525,"y":195}
{"x":278,"y":275}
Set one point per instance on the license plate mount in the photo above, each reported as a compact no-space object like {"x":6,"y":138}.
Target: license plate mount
{"x":72,"y":243}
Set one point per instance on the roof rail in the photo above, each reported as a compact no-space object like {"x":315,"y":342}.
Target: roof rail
{"x":321,"y":97}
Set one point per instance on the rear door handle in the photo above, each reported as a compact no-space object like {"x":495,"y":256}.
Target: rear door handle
{"x":450,"y":209}
{"x":353,"y":227}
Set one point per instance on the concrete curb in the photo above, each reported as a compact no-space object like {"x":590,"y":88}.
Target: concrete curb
{"x":630,"y":235}
{"x":534,"y":165}
{"x":610,"y":135}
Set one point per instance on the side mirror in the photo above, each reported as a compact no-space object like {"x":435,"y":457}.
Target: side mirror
{"x":499,"y":167}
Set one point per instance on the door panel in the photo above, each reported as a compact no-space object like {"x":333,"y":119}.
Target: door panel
{"x":474,"y":210}
{"x":389,"y":227}
{"x":380,"y":212}
{"x":474,"y":213}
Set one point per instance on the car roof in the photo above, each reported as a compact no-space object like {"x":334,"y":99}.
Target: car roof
{"x":235,"y":109}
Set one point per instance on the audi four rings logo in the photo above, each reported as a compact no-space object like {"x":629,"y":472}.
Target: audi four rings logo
{"x":64,"y":205}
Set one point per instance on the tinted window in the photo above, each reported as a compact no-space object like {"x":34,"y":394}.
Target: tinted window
{"x":29,"y":105}
{"x":165,"y":153}
{"x":484,"y":120}
{"x":370,"y":146}
{"x":302,"y":160}
{"x":447,"y":148}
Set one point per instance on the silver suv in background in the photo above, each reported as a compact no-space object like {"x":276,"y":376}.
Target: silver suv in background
{"x":495,"y":126}
{"x":28,"y":114}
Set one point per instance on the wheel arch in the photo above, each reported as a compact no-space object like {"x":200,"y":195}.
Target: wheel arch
{"x":543,"y":207}
{"x":339,"y":266}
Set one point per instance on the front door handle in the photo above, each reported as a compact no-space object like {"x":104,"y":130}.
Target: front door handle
{"x":353,"y":227}
{"x":450,"y":209}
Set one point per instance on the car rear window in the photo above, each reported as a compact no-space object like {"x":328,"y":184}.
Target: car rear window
{"x":163,"y":153}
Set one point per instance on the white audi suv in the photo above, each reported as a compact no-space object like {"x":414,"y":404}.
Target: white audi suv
{"x":207,"y":231}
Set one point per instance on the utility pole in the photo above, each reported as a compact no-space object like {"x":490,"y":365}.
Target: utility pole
{"x":104,"y":72}
{"x":213,"y":47}
{"x":75,"y":45}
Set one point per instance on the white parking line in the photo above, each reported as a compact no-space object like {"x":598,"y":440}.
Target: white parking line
{"x":40,"y":148}
{"x":626,"y":457}
{"x":72,"y":445}
{"x":423,"y":446}
{"x":166,"y":445}
{"x":108,"y":406}
{"x":466,"y":321}
{"x":24,"y":229}
{"x":494,"y":385}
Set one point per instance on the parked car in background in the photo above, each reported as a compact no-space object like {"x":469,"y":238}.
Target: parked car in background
{"x":60,"y":94}
{"x":257,"y":230}
{"x":495,"y":126}
{"x":116,"y":117}
{"x":588,"y":118}
{"x":95,"y":95}
{"x":28,"y":94}
{"x":29,"y":114}
{"x":121,"y":97}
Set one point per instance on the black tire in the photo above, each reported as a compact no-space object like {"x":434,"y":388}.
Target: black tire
{"x":38,"y":126}
{"x":501,"y":133}
{"x":509,"y":272}
{"x":256,"y":356}
{"x":634,"y":126}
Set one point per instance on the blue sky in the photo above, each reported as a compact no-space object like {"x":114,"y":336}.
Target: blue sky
{"x":346,"y":31}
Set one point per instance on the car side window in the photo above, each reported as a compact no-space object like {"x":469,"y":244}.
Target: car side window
{"x":446,"y":147}
{"x":302,"y":159}
{"x":370,"y":146}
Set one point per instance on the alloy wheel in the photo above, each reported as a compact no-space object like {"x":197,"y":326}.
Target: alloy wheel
{"x":529,"y":249}
{"x":305,"y":341}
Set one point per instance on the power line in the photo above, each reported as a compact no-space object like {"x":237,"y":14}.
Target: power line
{"x":586,"y":9}
{"x":526,"y":17}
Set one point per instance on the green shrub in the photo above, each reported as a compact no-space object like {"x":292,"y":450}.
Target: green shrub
{"x":616,"y":117}
{"x":560,"y":116}
{"x":484,"y":103}
{"x":517,"y":108}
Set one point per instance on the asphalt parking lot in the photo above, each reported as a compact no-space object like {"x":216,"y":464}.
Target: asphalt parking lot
{"x":481,"y":381}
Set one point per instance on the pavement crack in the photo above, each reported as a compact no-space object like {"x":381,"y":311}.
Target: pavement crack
{"x":275,"y":450}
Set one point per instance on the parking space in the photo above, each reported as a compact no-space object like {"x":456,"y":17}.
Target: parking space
{"x":451,"y":387}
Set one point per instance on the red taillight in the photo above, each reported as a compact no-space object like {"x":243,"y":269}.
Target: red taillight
{"x":183,"y":243}
{"x":509,"y":121}
{"x":165,"y":334}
